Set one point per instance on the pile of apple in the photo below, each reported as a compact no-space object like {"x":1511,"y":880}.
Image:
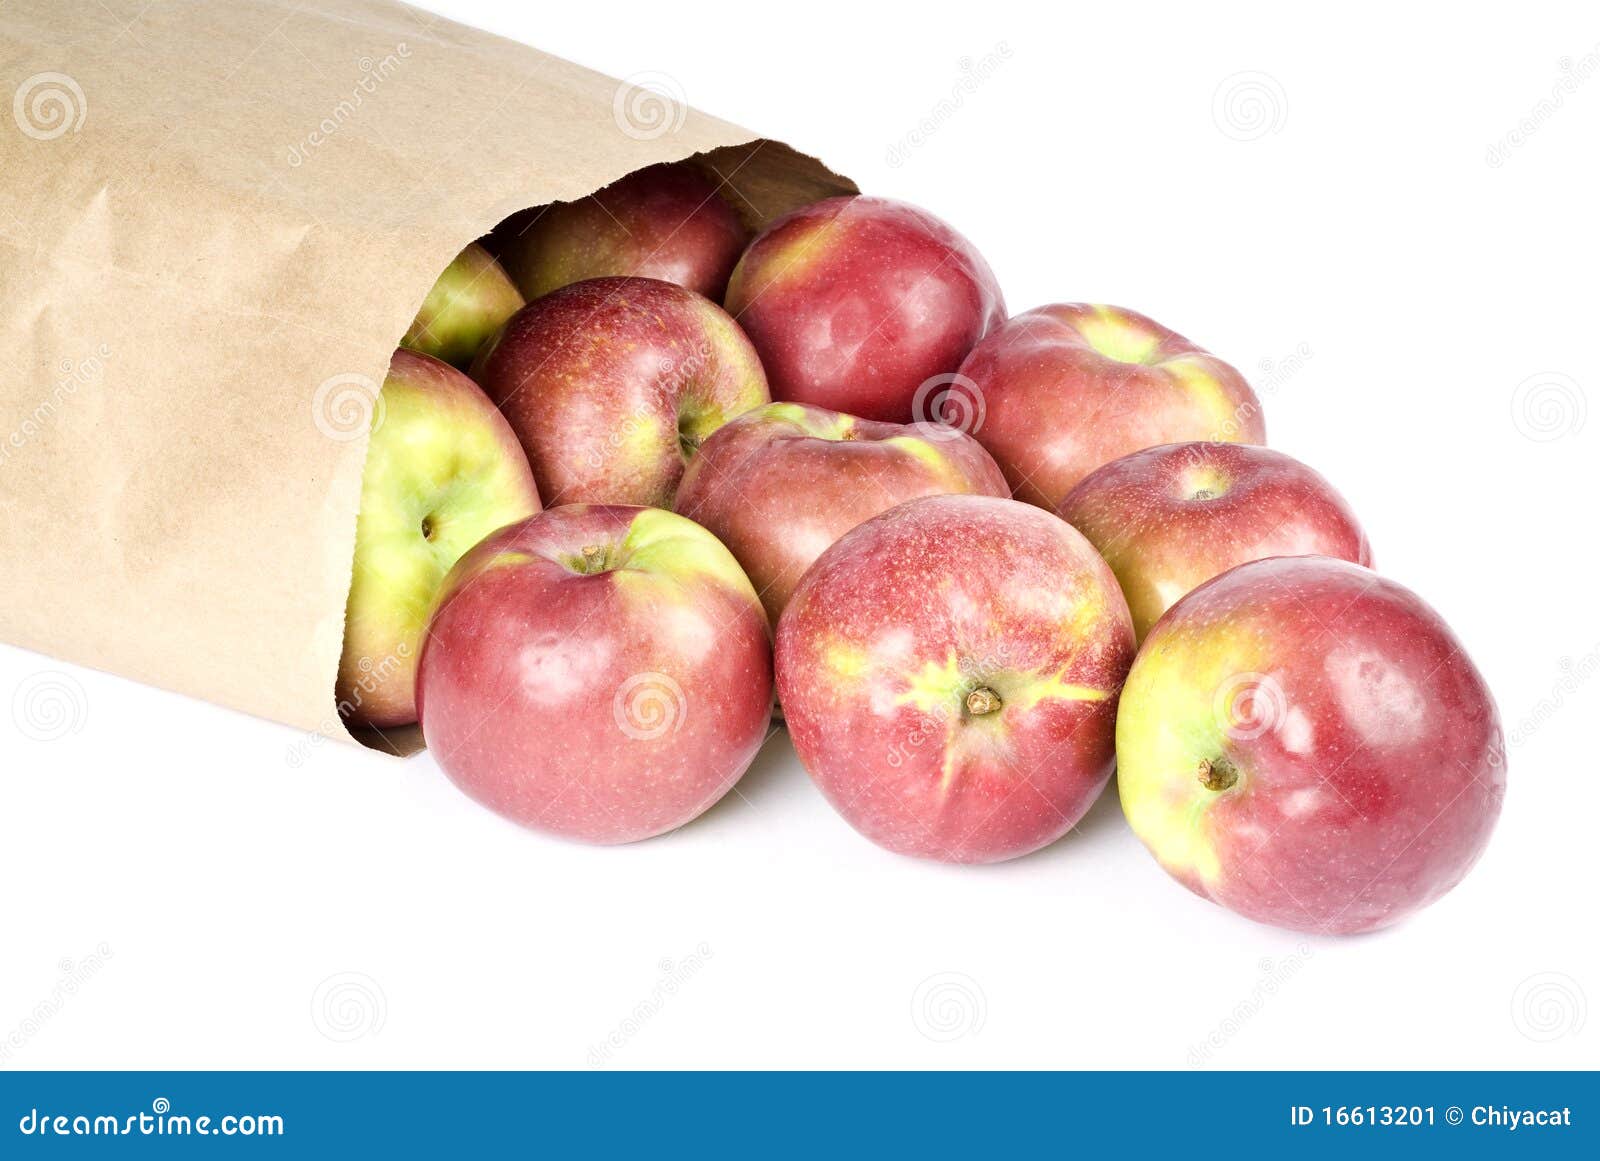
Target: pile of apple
{"x":981,"y":560}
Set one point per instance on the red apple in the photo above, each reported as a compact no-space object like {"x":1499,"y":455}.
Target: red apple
{"x":856,"y":302}
{"x":443,"y":471}
{"x":1063,"y":389}
{"x":612,"y":385}
{"x":601,"y":673}
{"x":781,"y":483}
{"x":1170,"y":517}
{"x":470,"y":302}
{"x":665,"y":221}
{"x":1308,"y":744}
{"x":949,"y":672}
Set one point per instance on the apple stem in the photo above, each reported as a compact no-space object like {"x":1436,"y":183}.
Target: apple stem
{"x":592,"y":559}
{"x":1218,"y":774}
{"x":982,"y":700}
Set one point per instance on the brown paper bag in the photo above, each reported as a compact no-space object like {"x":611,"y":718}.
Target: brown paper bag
{"x":216,"y":221}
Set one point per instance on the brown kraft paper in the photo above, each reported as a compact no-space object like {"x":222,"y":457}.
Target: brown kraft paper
{"x":216,"y":221}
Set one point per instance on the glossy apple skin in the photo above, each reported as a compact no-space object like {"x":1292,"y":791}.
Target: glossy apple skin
{"x":1169,"y":518}
{"x":1354,"y":754}
{"x":664,"y":221}
{"x":612,"y":385}
{"x":602,"y":673}
{"x":443,"y":471}
{"x":1069,"y":387}
{"x":472,"y":300}
{"x":856,"y":302}
{"x":780,"y":484}
{"x":949,"y":674}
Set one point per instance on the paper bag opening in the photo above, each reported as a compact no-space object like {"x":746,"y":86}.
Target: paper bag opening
{"x":214,"y":229}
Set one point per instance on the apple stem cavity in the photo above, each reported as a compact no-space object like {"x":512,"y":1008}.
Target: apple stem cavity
{"x":1218,"y":774}
{"x":591,"y":559}
{"x":982,"y":700}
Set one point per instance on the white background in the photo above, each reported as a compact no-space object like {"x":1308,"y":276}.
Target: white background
{"x":357,"y":911}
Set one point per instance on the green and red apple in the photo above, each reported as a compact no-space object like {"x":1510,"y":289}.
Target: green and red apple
{"x":443,"y":470}
{"x":1308,"y":744}
{"x":949,"y":673}
{"x":470,"y":302}
{"x":602,"y":673}
{"x":1063,"y":389}
{"x":613,"y":384}
{"x":664,"y":221}
{"x":781,"y":483}
{"x":1171,"y":517}
{"x":857,"y":303}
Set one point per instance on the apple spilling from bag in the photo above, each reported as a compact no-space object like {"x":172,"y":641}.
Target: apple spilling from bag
{"x":983,"y":562}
